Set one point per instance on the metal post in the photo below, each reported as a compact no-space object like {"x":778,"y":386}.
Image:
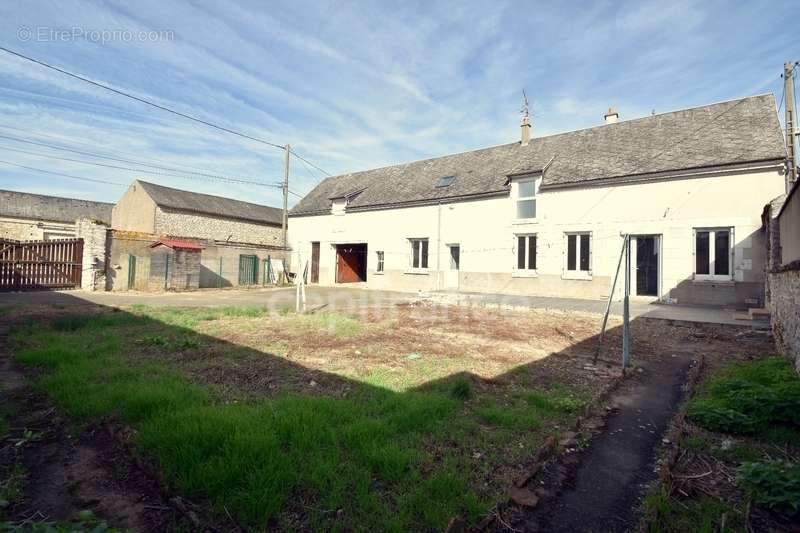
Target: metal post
{"x":608,"y":304}
{"x":791,"y":122}
{"x":626,"y":341}
{"x":285,"y":221}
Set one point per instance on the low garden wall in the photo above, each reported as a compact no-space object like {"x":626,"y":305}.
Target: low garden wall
{"x":785,"y":309}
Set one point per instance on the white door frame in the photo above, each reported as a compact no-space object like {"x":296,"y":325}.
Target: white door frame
{"x":451,"y":273}
{"x":659,"y":244}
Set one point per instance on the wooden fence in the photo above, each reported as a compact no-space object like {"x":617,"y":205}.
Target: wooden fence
{"x":40,"y":265}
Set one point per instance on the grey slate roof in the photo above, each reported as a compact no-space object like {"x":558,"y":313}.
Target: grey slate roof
{"x":738,"y":131}
{"x":52,"y":208}
{"x":211,"y":205}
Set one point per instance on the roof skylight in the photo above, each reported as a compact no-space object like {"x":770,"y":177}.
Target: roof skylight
{"x":445,"y":182}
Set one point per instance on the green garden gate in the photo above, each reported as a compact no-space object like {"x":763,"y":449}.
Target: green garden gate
{"x":248,"y":269}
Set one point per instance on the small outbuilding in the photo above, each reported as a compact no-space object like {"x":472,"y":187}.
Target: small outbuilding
{"x":174,"y":265}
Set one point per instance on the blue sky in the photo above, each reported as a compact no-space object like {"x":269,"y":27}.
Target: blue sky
{"x":354,"y":85}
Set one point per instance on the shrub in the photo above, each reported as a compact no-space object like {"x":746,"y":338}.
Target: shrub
{"x":774,"y":484}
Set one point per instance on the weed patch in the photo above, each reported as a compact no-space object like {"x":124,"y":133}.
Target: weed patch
{"x":703,"y":515}
{"x":773,"y":484}
{"x":755,"y":397}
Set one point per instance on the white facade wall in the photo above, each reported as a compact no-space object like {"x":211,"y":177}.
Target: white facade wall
{"x":485,"y":230}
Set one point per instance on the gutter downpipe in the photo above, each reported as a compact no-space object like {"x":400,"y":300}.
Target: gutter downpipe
{"x":439,"y":283}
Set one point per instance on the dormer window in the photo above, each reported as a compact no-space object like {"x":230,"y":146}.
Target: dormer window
{"x":339,"y":203}
{"x":526,"y":199}
{"x":446,"y":181}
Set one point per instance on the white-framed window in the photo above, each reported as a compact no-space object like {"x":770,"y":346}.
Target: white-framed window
{"x":578,"y":256}
{"x":419,"y":253}
{"x":379,"y":256}
{"x":526,"y":199}
{"x":712,"y":253}
{"x":525,"y":252}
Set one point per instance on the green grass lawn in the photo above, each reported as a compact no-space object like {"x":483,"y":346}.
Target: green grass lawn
{"x":375,"y":459}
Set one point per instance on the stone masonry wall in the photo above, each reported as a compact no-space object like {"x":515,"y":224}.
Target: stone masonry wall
{"x":784,"y":308}
{"x":186,"y":273}
{"x":34,"y":230}
{"x":95,"y":253}
{"x":217,"y":263}
{"x":192,"y":225}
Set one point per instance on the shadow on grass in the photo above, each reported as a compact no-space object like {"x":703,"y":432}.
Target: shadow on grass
{"x":370,"y":459}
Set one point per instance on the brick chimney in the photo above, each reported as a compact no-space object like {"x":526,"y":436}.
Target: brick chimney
{"x":612,"y":117}
{"x":526,"y":131}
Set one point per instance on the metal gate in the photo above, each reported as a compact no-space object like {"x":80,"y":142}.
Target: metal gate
{"x":38,"y":265}
{"x":248,"y":269}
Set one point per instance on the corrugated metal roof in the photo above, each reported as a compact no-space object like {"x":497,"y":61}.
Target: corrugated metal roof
{"x":738,"y":131}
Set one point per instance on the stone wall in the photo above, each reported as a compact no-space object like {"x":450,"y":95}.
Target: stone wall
{"x":174,"y":270}
{"x":192,"y":225}
{"x":217,"y":263}
{"x":785,"y":310}
{"x":95,"y":253}
{"x":19,"y":229}
{"x":780,"y":219}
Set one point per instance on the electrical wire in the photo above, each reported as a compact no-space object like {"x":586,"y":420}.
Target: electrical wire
{"x":301,"y":158}
{"x":123,"y":160}
{"x":135,"y":170}
{"x":139,"y":99}
{"x":159,"y":106}
{"x":34,"y":169}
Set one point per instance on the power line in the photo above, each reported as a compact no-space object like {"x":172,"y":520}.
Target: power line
{"x":63,"y":175}
{"x":139,"y":99}
{"x":301,"y":158}
{"x":116,"y":153}
{"x":136,"y":170}
{"x":158,"y":106}
{"x":123,"y":160}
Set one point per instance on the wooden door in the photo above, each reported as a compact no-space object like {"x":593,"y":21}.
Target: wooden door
{"x":314,"y":262}
{"x":351,"y":263}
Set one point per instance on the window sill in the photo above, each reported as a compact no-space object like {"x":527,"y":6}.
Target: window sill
{"x":416,"y":271}
{"x":578,"y":275}
{"x":524,"y":221}
{"x":524,"y":274}
{"x":378,"y":273}
{"x":714,"y":281}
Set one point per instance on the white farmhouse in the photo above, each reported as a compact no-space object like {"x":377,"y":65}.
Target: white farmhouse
{"x":543,"y":216}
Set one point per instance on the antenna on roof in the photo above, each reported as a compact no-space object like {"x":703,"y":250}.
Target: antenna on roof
{"x":526,"y":123}
{"x":524,"y":110}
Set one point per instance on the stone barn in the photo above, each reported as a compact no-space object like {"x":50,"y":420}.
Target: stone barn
{"x":238,"y":240}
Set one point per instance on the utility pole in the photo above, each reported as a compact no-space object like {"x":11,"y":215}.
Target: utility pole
{"x":791,"y":122}
{"x":286,"y":196}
